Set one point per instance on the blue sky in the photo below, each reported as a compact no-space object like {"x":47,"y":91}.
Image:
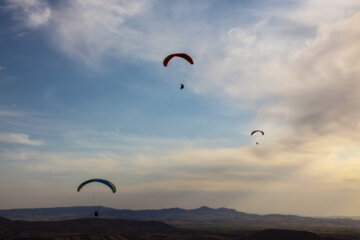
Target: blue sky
{"x":84,"y":94}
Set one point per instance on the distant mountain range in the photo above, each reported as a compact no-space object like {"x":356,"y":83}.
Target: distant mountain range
{"x":111,"y":229}
{"x":203,"y":217}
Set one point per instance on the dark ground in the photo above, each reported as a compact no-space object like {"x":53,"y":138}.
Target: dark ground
{"x":98,"y":228}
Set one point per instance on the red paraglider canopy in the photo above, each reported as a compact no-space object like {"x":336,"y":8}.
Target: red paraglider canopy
{"x":182,"y":55}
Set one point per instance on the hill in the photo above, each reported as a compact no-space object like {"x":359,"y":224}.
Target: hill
{"x":97,"y":228}
{"x":204,"y":218}
{"x":200,"y":217}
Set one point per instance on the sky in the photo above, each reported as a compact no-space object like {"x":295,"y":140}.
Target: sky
{"x":84,"y":94}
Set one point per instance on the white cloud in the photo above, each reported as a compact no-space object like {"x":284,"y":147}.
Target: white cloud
{"x":18,"y":138}
{"x":9,"y":114}
{"x":313,"y":13}
{"x":248,"y":63}
{"x":175,"y":170}
{"x":142,"y":30}
{"x":34,"y":13}
{"x":323,"y":98}
{"x":90,"y":30}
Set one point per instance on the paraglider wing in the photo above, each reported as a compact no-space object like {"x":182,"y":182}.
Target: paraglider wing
{"x":182,"y":55}
{"x":257,"y":131}
{"x":106,"y":182}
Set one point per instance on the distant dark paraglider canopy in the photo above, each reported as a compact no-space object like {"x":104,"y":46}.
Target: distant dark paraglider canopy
{"x":253,"y":132}
{"x":103,"y":181}
{"x":182,"y":55}
{"x":182,"y":86}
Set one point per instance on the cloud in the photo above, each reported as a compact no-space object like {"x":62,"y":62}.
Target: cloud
{"x":240,"y":178}
{"x":313,"y":13}
{"x":137,"y":30}
{"x":303,"y":90}
{"x":33,"y":13}
{"x":183,"y":168}
{"x":89,"y":31}
{"x":323,"y":98}
{"x":248,"y":63}
{"x":315,"y":117}
{"x":9,"y":114}
{"x":18,"y":138}
{"x":2,"y":67}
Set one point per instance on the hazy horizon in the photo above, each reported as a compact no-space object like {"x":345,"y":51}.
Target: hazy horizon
{"x":238,"y":210}
{"x":84,"y":94}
